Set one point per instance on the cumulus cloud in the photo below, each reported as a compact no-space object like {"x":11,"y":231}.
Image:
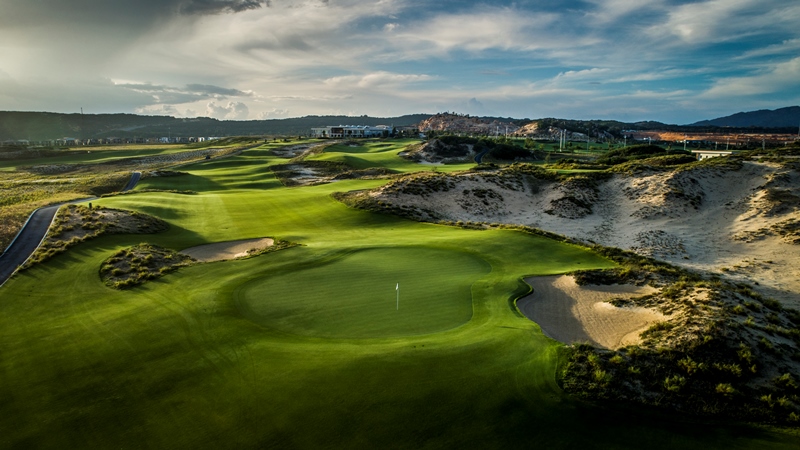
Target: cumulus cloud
{"x":231,"y":111}
{"x":274,"y":113}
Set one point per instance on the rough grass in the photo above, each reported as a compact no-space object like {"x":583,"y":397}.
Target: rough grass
{"x":134,"y":265}
{"x":23,"y":193}
{"x":74,"y":224}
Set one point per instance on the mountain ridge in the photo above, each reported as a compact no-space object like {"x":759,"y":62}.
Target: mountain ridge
{"x":767,"y":118}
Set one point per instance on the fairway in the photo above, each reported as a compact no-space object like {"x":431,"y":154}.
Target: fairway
{"x":305,"y":347}
{"x":354,"y":295}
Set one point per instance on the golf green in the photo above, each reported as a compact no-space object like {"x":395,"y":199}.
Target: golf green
{"x":378,"y":292}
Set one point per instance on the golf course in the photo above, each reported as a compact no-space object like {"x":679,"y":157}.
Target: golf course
{"x":372,"y":331}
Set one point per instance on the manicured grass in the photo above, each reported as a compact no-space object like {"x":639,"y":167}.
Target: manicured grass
{"x":94,"y":156}
{"x":355,"y":295}
{"x":180,"y":363}
{"x":380,"y":154}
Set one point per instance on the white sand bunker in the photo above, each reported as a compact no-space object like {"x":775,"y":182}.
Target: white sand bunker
{"x":222,"y":251}
{"x":571,"y":313}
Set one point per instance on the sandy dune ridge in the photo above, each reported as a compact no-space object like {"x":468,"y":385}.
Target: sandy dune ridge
{"x":709,"y":218}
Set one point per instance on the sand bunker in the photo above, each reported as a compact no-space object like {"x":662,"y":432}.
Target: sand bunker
{"x":570,"y":313}
{"x":222,"y":251}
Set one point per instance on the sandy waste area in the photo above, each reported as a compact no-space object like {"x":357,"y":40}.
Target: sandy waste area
{"x":708,"y":219}
{"x":222,"y":251}
{"x":570,"y":313}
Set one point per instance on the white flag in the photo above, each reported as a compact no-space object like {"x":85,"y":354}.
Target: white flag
{"x":398,"y":287}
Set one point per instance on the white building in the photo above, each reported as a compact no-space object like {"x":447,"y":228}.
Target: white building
{"x":705,"y":154}
{"x":351,"y":131}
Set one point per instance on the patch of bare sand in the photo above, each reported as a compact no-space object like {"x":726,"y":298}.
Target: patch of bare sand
{"x":695,"y":219}
{"x":222,"y":251}
{"x":571,"y":313}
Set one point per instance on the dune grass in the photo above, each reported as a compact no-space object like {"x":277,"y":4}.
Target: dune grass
{"x":203,"y":358}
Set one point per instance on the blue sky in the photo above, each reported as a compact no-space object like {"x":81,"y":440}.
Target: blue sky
{"x":666,"y":60}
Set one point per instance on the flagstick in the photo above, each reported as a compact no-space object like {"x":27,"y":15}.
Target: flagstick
{"x":398,"y":296}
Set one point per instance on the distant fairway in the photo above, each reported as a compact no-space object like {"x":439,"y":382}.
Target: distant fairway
{"x":354,"y":295}
{"x":377,"y":154}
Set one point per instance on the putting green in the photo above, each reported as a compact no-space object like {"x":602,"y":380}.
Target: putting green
{"x":354,"y":294}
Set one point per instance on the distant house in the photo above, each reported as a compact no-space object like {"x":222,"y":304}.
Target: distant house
{"x":351,"y":131}
{"x":705,"y":154}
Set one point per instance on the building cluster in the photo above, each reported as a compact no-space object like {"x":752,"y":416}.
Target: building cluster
{"x":352,"y":131}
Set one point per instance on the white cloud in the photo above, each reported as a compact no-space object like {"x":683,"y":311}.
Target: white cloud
{"x":593,"y":73}
{"x":608,"y":11}
{"x":789,"y":46}
{"x":273,"y":114}
{"x":727,"y":20}
{"x":782,"y":77}
{"x":231,"y":111}
{"x":479,"y":31}
{"x":376,"y":80}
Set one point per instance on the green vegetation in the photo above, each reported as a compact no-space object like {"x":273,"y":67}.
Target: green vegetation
{"x":299,"y":348}
{"x":702,"y":360}
{"x":74,"y":224}
{"x":133,"y":266}
{"x":65,"y":175}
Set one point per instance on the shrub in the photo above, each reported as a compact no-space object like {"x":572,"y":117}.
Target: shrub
{"x":674,"y":383}
{"x":725,"y":389}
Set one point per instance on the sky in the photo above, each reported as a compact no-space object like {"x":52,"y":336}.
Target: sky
{"x":672,"y":61}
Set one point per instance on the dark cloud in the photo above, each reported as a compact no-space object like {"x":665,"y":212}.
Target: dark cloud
{"x":162,"y":94}
{"x":212,"y":90}
{"x":219,"y":6}
{"x":293,"y":43}
{"x":141,"y":14}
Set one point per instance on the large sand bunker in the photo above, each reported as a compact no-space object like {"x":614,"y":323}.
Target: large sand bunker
{"x":222,"y":251}
{"x":571,"y":313}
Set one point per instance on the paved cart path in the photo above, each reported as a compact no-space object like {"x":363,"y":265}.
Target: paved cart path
{"x":33,"y":232}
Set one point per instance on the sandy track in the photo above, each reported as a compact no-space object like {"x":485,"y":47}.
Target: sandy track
{"x":222,"y":251}
{"x":570,"y":313}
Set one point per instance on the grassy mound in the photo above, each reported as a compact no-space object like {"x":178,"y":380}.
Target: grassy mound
{"x":135,"y":265}
{"x":77,"y":223}
{"x":724,"y":351}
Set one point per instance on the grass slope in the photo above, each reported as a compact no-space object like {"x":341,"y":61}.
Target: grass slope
{"x":178,"y":362}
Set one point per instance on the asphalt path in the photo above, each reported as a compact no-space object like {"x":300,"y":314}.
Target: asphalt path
{"x":33,"y":232}
{"x":479,"y":156}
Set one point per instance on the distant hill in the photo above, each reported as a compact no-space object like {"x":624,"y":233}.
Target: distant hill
{"x":765,"y":118}
{"x":459,"y":123}
{"x":36,"y":126}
